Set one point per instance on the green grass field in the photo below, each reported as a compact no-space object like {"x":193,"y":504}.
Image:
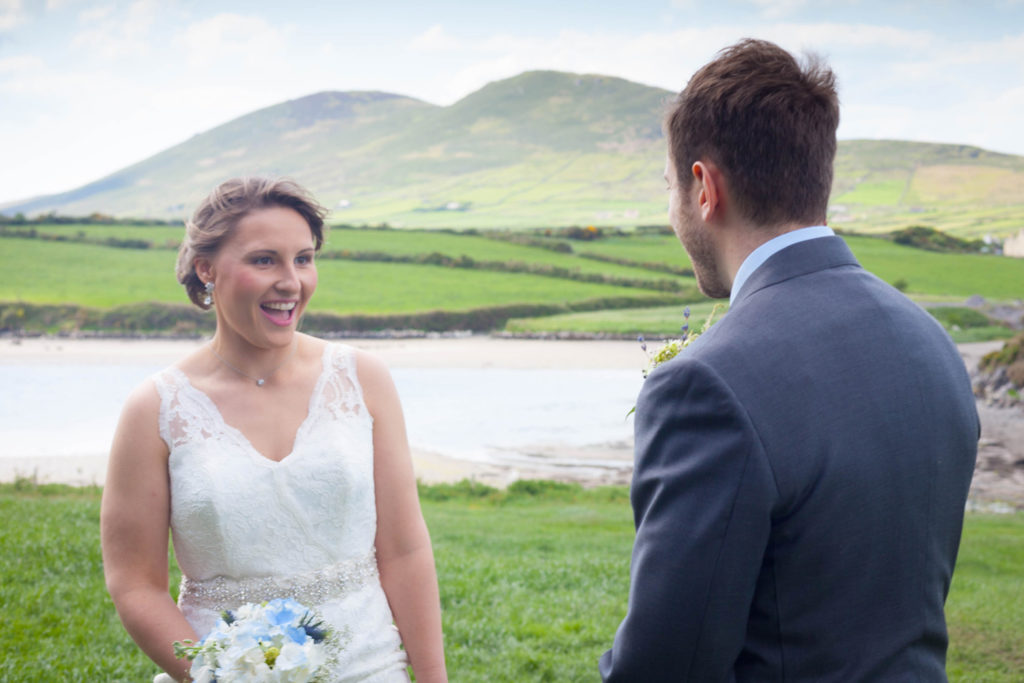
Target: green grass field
{"x":51,"y":272}
{"x":933,"y":273}
{"x":533,"y":583}
{"x":652,"y":323}
{"x":90,"y":275}
{"x":395,"y":242}
{"x":166,"y":236}
{"x":641,"y":248}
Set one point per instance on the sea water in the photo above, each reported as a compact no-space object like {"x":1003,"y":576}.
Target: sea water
{"x":489,"y":414}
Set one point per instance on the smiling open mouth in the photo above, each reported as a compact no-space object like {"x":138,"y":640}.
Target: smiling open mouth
{"x":280,"y":313}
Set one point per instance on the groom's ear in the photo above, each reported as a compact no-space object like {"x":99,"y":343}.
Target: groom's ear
{"x":710,"y":194}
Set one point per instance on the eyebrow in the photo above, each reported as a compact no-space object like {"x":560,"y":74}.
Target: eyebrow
{"x":275,"y":252}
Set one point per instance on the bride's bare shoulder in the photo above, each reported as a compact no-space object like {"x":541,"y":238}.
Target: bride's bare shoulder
{"x":143,"y":400}
{"x":138,"y":429}
{"x":374,"y":378}
{"x":370,"y":367}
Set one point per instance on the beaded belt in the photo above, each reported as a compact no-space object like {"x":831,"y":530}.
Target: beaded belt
{"x":309,"y":588}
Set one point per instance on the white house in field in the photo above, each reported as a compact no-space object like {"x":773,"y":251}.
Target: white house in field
{"x":1014,"y":246}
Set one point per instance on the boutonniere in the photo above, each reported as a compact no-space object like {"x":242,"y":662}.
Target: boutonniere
{"x":672,"y":347}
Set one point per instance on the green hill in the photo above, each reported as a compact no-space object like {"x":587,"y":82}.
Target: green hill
{"x":543,"y":148}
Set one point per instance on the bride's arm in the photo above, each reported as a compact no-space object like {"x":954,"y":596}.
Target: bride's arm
{"x":134,"y":523}
{"x":404,"y":555}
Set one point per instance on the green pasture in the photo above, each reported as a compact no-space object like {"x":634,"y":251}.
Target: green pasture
{"x":544,"y":189}
{"x":59,"y":272}
{"x":934,"y":273}
{"x":393,"y":242}
{"x":37,"y":271}
{"x":165,"y":236}
{"x":664,"y":322}
{"x":641,"y":248}
{"x":653,"y":323}
{"x":93,"y":275}
{"x":968,"y":222}
{"x":886,"y":190}
{"x":925,"y":272}
{"x":411,"y":243}
{"x":534,"y":582}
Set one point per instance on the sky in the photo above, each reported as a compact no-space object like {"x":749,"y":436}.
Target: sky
{"x":87,"y":88}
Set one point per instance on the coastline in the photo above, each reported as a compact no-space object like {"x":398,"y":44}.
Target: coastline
{"x":456,"y":351}
{"x":608,"y":463}
{"x":998,"y":478}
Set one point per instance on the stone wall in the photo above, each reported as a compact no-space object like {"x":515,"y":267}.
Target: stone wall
{"x":1014,"y":246}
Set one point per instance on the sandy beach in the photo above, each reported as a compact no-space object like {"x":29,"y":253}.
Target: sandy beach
{"x":999,"y":477}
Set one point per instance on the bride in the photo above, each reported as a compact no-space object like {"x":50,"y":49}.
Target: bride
{"x":279,"y":462}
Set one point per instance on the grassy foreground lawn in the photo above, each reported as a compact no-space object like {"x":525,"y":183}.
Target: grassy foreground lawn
{"x":533,"y":584}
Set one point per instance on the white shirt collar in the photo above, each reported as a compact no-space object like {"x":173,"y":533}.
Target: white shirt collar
{"x":757,"y":257}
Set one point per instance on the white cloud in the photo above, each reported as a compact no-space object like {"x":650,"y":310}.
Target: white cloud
{"x":226,"y":36}
{"x":115,"y":35}
{"x":829,"y":35}
{"x":20,"y":64}
{"x":94,"y":14}
{"x":11,"y":14}
{"x":772,"y":9}
{"x":434,"y":39}
{"x":663,"y":58}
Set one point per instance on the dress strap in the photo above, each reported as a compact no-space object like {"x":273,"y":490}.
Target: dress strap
{"x":342,"y":396}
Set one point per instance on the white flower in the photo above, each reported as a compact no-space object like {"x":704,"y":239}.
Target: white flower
{"x":277,"y":641}
{"x":294,"y":664}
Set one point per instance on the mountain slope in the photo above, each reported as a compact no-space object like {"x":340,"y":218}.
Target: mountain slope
{"x":543,"y":148}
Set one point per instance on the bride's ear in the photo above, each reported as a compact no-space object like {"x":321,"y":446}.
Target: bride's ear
{"x":203,"y":268}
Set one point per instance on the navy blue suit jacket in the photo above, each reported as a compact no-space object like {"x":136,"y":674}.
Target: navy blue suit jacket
{"x":799,"y":487}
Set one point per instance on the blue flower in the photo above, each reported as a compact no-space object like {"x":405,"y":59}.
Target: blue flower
{"x":296,"y":634}
{"x":284,"y":611}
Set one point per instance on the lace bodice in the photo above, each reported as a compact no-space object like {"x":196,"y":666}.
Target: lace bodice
{"x":246,"y":528}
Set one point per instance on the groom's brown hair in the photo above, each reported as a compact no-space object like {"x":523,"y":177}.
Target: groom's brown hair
{"x":768,"y":123}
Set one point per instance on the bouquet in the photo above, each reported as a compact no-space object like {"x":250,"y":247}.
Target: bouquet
{"x":280,"y":640}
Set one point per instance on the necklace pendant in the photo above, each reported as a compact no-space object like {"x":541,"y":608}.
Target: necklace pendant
{"x":260,"y":382}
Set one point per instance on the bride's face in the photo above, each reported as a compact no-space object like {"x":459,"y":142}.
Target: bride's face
{"x":264,"y":275}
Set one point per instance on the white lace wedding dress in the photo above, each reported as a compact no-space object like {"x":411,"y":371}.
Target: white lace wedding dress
{"x":249,"y":529}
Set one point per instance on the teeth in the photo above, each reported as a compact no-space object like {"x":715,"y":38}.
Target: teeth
{"x":280,"y":306}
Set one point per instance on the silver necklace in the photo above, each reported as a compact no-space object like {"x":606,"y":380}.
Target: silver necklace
{"x":260,"y":381}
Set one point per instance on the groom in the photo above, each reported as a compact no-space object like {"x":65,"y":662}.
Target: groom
{"x":802,"y":468}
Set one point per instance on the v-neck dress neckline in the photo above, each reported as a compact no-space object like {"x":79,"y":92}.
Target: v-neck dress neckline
{"x":238,"y":435}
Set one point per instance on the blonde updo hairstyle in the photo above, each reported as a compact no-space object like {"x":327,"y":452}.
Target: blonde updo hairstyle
{"x":216,"y":217}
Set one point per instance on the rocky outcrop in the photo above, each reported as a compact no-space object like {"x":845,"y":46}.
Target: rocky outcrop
{"x":998,"y":379}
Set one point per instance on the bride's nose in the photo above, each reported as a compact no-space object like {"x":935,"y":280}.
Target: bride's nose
{"x":288,"y":280}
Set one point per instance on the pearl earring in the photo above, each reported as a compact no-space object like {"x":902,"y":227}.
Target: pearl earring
{"x":208,"y":299}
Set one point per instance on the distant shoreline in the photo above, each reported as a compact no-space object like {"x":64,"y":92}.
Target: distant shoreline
{"x":997,"y":478}
{"x":428,"y":351}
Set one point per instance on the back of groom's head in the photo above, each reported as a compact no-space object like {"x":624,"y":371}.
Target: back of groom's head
{"x":768,"y":123}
